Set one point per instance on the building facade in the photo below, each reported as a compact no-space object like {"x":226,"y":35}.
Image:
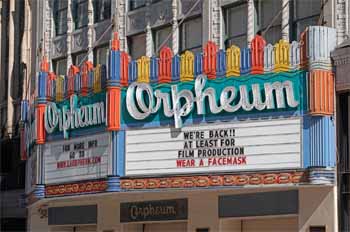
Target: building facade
{"x":182,"y":115}
{"x":15,"y":70}
{"x":341,"y":62}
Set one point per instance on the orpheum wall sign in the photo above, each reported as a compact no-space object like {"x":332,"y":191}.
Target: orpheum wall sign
{"x":77,"y":159}
{"x":232,"y":146}
{"x":164,"y":210}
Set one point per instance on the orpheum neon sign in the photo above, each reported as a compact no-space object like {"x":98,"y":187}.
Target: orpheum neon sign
{"x":73,"y":117}
{"x":142,"y":100}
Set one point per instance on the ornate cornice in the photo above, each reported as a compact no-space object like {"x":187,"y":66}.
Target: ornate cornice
{"x":76,"y":188}
{"x":223,"y":180}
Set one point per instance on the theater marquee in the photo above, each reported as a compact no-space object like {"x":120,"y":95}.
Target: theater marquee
{"x":235,"y":146}
{"x":77,"y":159}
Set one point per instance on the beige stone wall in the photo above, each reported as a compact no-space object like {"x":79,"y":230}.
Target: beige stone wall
{"x":316,"y":207}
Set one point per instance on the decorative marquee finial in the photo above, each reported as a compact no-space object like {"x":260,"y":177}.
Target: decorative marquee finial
{"x":115,"y":42}
{"x":44,"y":66}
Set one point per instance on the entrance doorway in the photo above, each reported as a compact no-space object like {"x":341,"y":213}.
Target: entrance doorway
{"x":285,"y":224}
{"x":156,"y":227}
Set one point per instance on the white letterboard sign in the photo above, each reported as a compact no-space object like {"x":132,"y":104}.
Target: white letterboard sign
{"x":232,"y":146}
{"x":77,"y":159}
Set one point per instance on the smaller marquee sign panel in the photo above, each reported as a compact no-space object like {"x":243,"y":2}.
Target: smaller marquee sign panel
{"x":75,"y":113}
{"x":235,"y":146}
{"x":77,"y":159}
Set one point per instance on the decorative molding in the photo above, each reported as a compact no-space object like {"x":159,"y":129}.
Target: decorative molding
{"x":321,"y":42}
{"x":80,"y":40}
{"x":113,"y":184}
{"x":222,"y":180}
{"x":322,"y":176}
{"x":31,"y":199}
{"x":59,"y":47}
{"x":76,"y":188}
{"x":341,"y":60}
{"x":37,"y":194}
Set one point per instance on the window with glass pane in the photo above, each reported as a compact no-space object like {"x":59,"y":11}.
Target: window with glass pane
{"x":306,"y":13}
{"x":80,"y":9}
{"x":134,"y":4}
{"x":102,"y":10}
{"x":79,"y":58}
{"x":101,"y":55}
{"x":137,"y":45}
{"x":160,"y":36}
{"x":191,"y":35}
{"x":267,"y":10}
{"x":60,"y":66}
{"x":60,"y":16}
{"x":236,"y":25}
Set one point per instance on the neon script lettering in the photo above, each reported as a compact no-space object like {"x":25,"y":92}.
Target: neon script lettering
{"x":142,"y":101}
{"x":73,"y":117}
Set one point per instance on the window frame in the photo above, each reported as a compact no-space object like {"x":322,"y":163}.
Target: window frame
{"x":95,"y":4}
{"x":295,"y":20}
{"x":56,"y":61}
{"x":75,"y":8}
{"x":182,"y":36}
{"x":137,"y":7}
{"x":57,"y":12}
{"x":77,"y":54}
{"x":129,"y":39}
{"x":155,"y":38}
{"x":261,"y":27}
{"x":95,"y":53}
{"x":226,"y":9}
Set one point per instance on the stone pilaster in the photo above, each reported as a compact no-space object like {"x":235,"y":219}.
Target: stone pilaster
{"x":341,"y":20}
{"x":250,"y":21}
{"x":122,"y":26}
{"x":10,"y":78}
{"x":26,"y":49}
{"x":149,"y":39}
{"x":90,"y":30}
{"x":216,"y":21}
{"x":48,"y":28}
{"x":119,"y":20}
{"x":175,"y":28}
{"x":70,"y":25}
{"x":285,"y":19}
